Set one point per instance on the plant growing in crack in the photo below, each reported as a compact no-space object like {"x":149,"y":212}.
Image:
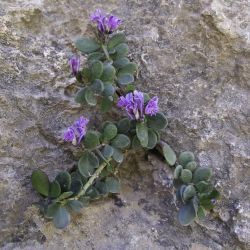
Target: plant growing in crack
{"x":108,"y":80}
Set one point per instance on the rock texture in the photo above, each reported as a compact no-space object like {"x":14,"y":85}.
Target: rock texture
{"x":195,"y":55}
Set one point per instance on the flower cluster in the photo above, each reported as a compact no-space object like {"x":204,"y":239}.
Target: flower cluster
{"x":135,"y":106}
{"x":76,"y":132}
{"x":105,"y":23}
{"x":74,"y":63}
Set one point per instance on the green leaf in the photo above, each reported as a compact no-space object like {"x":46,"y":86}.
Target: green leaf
{"x":120,"y":141}
{"x":54,"y":189}
{"x":123,"y":126}
{"x":192,"y":165}
{"x":186,"y":157}
{"x":106,"y":104}
{"x":76,"y":186}
{"x":130,"y":88}
{"x":168,"y":154}
{"x":117,"y":155}
{"x":89,"y":96}
{"x":121,"y":62}
{"x":108,"y":74}
{"x":130,"y":68}
{"x":186,"y":176}
{"x":136,"y":143}
{"x":86,"y":73}
{"x":186,"y":214}
{"x":109,"y":131}
{"x":95,"y":56}
{"x":158,"y":121}
{"x":109,"y":90}
{"x":142,"y":133}
{"x":96,"y":69}
{"x":91,"y":139}
{"x":97,"y":86}
{"x":177,"y":171}
{"x":65,"y":195}
{"x":146,"y":97}
{"x":202,"y":174}
{"x":201,"y":213}
{"x":101,"y":187}
{"x":87,"y":45}
{"x":113,"y":185}
{"x":52,"y":209}
{"x":87,"y":164}
{"x":107,"y":151}
{"x":40,"y":182}
{"x":80,"y":98}
{"x":64,"y":179}
{"x":152,"y":139}
{"x":189,"y":192}
{"x":121,"y":50}
{"x":125,"y":79}
{"x":92,"y":193}
{"x":75,"y":205}
{"x":115,"y":40}
{"x":204,"y":187}
{"x":61,"y":218}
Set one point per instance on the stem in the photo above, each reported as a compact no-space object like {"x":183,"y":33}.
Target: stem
{"x":104,"y":48}
{"x":101,"y":155}
{"x":91,"y":180}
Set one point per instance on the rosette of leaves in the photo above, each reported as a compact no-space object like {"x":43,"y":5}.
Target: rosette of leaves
{"x":195,"y":189}
{"x":107,"y":69}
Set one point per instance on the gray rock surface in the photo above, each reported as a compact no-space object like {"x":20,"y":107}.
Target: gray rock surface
{"x":194,"y":54}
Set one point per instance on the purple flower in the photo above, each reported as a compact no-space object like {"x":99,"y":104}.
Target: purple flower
{"x":134,"y":105}
{"x":105,"y":23}
{"x":76,"y":132}
{"x":152,"y":106}
{"x":74,"y":63}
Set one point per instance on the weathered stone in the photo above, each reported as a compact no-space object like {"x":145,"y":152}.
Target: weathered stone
{"x":193,"y":54}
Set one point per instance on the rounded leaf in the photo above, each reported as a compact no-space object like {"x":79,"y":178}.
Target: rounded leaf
{"x":64,"y":179}
{"x":52,"y":209}
{"x":130,"y":68}
{"x":202,"y":174}
{"x":120,"y":141}
{"x":177,"y":171}
{"x":95,"y":56}
{"x":97,"y":86}
{"x":117,"y":155}
{"x":125,"y":79}
{"x":108,"y":74}
{"x":61,"y":218}
{"x":76,"y":186}
{"x":168,"y":154}
{"x":121,"y":50}
{"x":87,"y":164}
{"x":96,"y":69}
{"x":186,"y":214}
{"x":123,"y":125}
{"x":54,"y":189}
{"x":186,"y":176}
{"x":152,"y":139}
{"x":192,"y":165}
{"x":107,"y":151}
{"x":115,"y":40}
{"x":158,"y":121}
{"x":65,"y":195}
{"x":204,"y":187}
{"x":186,"y":157}
{"x":110,"y":131}
{"x":189,"y":192}
{"x":113,"y":185}
{"x":91,"y":139}
{"x":109,"y":90}
{"x":40,"y":182}
{"x":89,"y":96}
{"x":121,"y":62}
{"x":75,"y":205}
{"x":142,"y":133}
{"x":87,"y":45}
{"x":136,"y":143}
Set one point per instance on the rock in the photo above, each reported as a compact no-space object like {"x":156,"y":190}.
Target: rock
{"x":193,"y":54}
